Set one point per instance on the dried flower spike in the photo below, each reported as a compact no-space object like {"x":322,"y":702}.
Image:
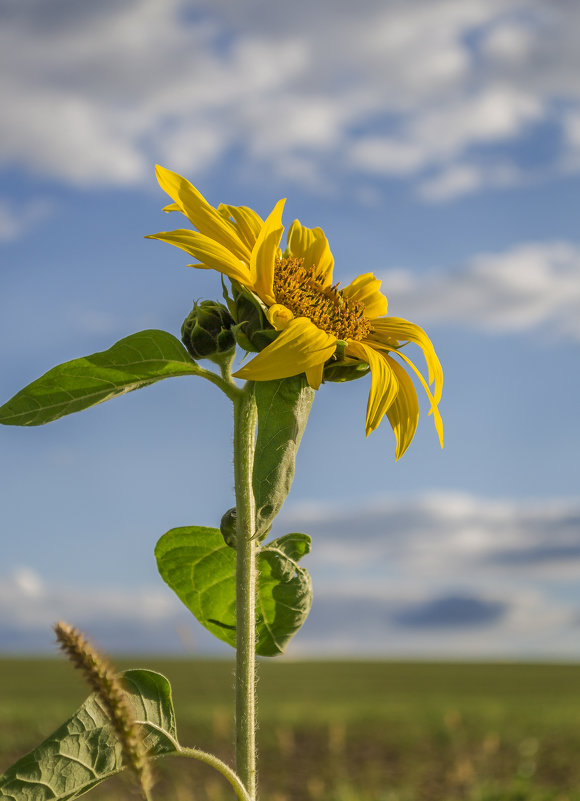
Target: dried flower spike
{"x":101,"y":677}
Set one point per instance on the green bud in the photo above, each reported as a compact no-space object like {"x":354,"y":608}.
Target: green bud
{"x":206,"y":332}
{"x":253,"y":340}
{"x":228,"y":527}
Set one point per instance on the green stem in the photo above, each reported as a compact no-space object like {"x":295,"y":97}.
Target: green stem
{"x":146,"y":794}
{"x":216,"y":763}
{"x":245,"y":418}
{"x":224,"y":382}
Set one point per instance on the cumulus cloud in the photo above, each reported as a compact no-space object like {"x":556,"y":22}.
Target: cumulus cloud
{"x":28,"y":586}
{"x":438,"y":135}
{"x":533,"y":286}
{"x":142,"y":619}
{"x":437,"y":574}
{"x":98,"y":91}
{"x":464,"y":536}
{"x":442,"y":574}
{"x":16,"y":220}
{"x":465,"y":179}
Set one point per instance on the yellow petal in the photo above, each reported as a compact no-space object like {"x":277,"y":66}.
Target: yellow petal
{"x":384,"y":384}
{"x":314,"y":375}
{"x":206,"y":219}
{"x":311,"y":245}
{"x":213,"y":255}
{"x":391,"y":330}
{"x":403,"y":413}
{"x":264,"y":254}
{"x":366,"y":289}
{"x":171,"y":207}
{"x":279,"y":316}
{"x":434,"y":410}
{"x":246,"y":222}
{"x":300,"y":346}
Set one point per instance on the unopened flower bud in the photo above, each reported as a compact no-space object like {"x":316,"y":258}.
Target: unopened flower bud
{"x":228,"y":527}
{"x":206,"y":332}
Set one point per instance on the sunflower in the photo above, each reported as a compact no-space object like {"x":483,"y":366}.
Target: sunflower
{"x":318,"y":324}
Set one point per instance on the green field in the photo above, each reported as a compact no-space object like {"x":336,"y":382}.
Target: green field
{"x":342,"y":731}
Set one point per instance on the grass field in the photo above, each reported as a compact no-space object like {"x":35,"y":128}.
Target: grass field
{"x":343,"y":731}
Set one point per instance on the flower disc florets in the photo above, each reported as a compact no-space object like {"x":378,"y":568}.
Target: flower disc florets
{"x":300,"y":290}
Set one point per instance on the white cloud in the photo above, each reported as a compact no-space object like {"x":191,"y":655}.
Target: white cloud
{"x":438,"y":136}
{"x":458,"y":180}
{"x":530,"y":287}
{"x":443,"y":574}
{"x":27,"y":582}
{"x":32,"y":602}
{"x":509,"y":41}
{"x":435,"y":574}
{"x":16,"y":220}
{"x":386,"y":155}
{"x":464,"y":179}
{"x":434,"y":545}
{"x":97,"y":92}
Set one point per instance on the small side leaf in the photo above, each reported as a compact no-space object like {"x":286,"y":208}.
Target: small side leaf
{"x":134,"y":362}
{"x":295,"y":545}
{"x":85,"y":750}
{"x":201,"y":569}
{"x":283,"y":409}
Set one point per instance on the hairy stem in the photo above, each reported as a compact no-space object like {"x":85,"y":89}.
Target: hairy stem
{"x":216,"y":763}
{"x":224,"y":382}
{"x":245,"y":418}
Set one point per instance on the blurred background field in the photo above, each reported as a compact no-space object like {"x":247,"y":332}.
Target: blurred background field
{"x":342,"y":731}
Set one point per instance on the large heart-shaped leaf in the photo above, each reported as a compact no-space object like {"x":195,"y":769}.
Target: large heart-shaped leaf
{"x":201,"y":569}
{"x":134,"y":362}
{"x":85,"y":750}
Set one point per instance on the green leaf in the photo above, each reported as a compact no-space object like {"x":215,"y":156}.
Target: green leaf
{"x":201,"y":569}
{"x":283,"y":409}
{"x":134,"y":362}
{"x":85,"y":750}
{"x":283,"y":603}
{"x":295,"y":546}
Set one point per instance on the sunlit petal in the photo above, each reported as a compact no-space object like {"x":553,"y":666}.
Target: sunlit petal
{"x":264,"y":254}
{"x":300,"y":346}
{"x":311,"y":245}
{"x":213,"y":255}
{"x":366,"y":289}
{"x":403,"y":413}
{"x":314,"y":375}
{"x":384,"y":384}
{"x":246,"y":222}
{"x":391,"y":330}
{"x":206,"y":219}
{"x":434,"y":410}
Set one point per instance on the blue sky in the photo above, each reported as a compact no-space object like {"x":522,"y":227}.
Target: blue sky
{"x":437,"y":143}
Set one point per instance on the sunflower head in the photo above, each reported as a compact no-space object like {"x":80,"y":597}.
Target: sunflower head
{"x":291,"y":314}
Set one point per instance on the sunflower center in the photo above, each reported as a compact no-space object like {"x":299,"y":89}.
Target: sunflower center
{"x":300,"y":290}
